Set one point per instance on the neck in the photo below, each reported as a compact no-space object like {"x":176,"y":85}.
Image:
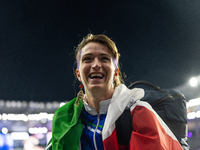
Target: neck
{"x":95,"y":97}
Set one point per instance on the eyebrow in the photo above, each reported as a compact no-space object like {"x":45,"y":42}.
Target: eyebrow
{"x":103,"y":54}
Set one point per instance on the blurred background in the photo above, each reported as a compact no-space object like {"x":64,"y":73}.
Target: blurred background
{"x":158,"y":41}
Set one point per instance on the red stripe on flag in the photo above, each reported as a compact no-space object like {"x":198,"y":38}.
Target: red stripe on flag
{"x":149,"y":133}
{"x":111,"y":142}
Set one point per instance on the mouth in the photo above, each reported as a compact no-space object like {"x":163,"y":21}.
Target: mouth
{"x":96,"y":76}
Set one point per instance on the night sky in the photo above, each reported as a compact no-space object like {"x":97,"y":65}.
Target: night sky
{"x":158,"y":41}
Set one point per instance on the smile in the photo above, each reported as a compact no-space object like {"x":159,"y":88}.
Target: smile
{"x":96,"y":75}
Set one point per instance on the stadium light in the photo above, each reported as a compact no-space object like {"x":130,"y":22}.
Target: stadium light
{"x":193,"y":81}
{"x":193,"y":102}
{"x":4,"y":130}
{"x":61,"y":104}
{"x":19,"y":135}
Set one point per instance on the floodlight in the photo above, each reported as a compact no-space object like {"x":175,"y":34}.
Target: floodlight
{"x":193,"y":81}
{"x":4,"y":130}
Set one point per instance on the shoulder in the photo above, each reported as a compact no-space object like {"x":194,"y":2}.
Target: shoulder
{"x":144,"y":115}
{"x":67,"y":109}
{"x":142,"y":104}
{"x":143,"y":108}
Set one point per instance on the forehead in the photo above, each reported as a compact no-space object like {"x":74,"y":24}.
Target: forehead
{"x":95,"y":48}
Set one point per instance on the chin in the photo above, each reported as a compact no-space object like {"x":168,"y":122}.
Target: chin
{"x":96,"y":86}
{"x":100,"y":86}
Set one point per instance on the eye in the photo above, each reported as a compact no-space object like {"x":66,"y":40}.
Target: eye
{"x":105,"y":58}
{"x":86,"y":59}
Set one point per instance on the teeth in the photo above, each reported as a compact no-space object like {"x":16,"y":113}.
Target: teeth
{"x":96,"y":75}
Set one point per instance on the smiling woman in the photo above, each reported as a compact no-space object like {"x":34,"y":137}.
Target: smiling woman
{"x":97,"y":73}
{"x":88,"y":121}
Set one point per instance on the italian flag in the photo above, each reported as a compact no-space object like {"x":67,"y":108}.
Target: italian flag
{"x":149,"y":131}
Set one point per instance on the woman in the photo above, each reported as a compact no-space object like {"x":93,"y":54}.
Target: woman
{"x":88,"y":121}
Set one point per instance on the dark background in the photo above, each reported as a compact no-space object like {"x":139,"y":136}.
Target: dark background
{"x":159,"y":41}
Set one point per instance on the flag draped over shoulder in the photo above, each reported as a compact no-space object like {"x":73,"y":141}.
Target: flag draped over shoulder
{"x":149,"y":130}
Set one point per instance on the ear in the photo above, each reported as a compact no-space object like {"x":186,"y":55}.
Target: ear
{"x":78,"y":75}
{"x":116,"y":73}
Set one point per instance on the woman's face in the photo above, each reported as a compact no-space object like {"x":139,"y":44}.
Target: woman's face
{"x":96,"y":69}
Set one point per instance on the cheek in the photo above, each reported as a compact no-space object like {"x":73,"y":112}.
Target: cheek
{"x":111,"y":71}
{"x":83,"y":71}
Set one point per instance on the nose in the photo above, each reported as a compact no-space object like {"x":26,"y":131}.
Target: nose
{"x":96,"y":64}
